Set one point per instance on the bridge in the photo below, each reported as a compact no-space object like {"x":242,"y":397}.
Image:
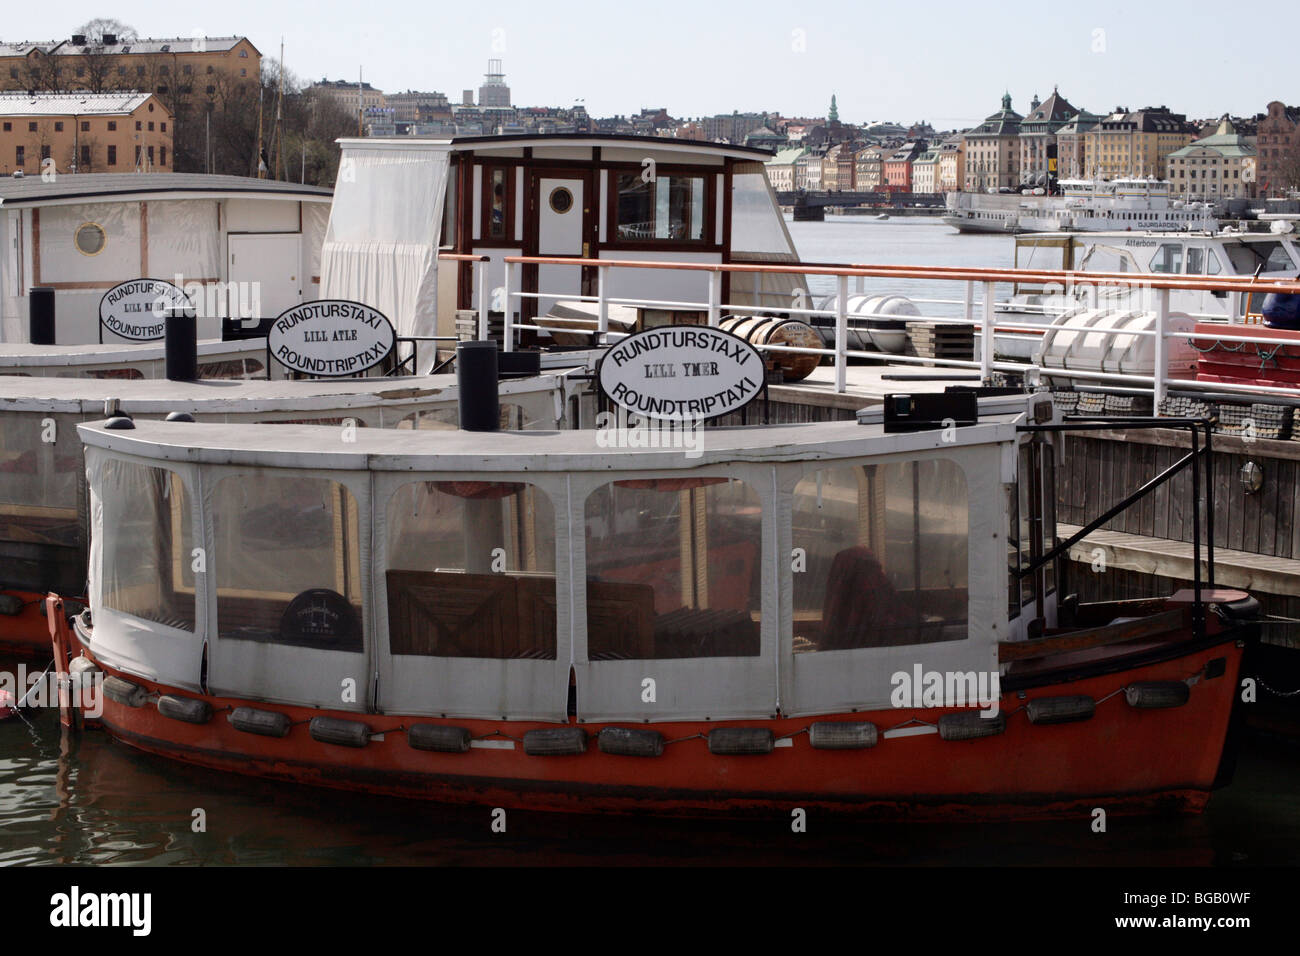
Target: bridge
{"x":813,"y":200}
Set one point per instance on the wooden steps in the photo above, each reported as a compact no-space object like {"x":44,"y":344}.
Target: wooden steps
{"x":940,"y":341}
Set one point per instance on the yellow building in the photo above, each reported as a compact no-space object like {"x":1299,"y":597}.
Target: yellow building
{"x":869,"y":165}
{"x":350,"y":96}
{"x":993,"y":151}
{"x":84,"y":132}
{"x":1219,"y":166}
{"x":168,"y":65}
{"x":1134,"y":143}
{"x":952,"y":166}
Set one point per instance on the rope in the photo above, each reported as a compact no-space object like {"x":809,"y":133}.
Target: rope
{"x":1265,"y":359}
{"x":691,"y":737}
{"x":1218,"y":345}
{"x":1274,"y":691}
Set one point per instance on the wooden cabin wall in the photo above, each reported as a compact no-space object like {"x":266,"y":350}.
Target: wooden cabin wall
{"x":1097,"y":472}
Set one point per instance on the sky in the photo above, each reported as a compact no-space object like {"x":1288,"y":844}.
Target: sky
{"x":942,"y":61}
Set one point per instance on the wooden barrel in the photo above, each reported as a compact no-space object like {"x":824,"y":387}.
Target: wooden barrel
{"x":762,"y":330}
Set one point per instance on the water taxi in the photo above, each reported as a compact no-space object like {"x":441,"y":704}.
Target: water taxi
{"x":859,"y":617}
{"x":45,"y":535}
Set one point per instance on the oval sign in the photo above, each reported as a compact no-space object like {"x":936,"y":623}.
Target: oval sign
{"x":330,"y":337}
{"x":135,"y":310}
{"x":681,"y":372}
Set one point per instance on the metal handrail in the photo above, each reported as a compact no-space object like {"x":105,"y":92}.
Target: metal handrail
{"x":1198,"y":460}
{"x":986,"y":322}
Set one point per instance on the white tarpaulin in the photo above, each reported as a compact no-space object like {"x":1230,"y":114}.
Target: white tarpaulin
{"x":381,"y":247}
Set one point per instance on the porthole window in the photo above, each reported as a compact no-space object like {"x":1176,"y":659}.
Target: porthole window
{"x":90,"y":238}
{"x":561,"y":200}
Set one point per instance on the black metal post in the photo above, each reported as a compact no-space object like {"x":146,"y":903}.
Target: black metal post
{"x":1209,"y":500}
{"x":1198,"y":615}
{"x":181,"y":344}
{"x":40,"y":313}
{"x":476,"y":378}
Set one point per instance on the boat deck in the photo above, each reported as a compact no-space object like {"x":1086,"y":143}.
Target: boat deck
{"x":868,"y":385}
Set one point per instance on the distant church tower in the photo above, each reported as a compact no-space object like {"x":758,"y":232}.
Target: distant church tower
{"x":834,"y":115}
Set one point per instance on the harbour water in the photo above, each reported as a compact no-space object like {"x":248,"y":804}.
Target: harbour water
{"x":88,"y":799}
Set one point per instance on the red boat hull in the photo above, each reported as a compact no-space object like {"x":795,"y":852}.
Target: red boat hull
{"x":1123,"y":759}
{"x":26,"y":633}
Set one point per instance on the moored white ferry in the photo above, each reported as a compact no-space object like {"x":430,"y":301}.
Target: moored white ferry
{"x":1083,"y":206}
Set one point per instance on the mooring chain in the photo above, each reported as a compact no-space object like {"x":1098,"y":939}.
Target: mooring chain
{"x":1274,"y":691}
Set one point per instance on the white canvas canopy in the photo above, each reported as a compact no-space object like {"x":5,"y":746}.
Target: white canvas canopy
{"x":381,"y":247}
{"x":348,"y":511}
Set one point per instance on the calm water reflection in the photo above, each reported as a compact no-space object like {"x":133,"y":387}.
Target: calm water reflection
{"x":89,"y":799}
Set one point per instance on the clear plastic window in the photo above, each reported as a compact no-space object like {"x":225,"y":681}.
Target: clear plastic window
{"x":673,"y":569}
{"x":880,"y":556}
{"x":40,"y":466}
{"x":471,"y":571}
{"x":288,"y":561}
{"x":148,"y":561}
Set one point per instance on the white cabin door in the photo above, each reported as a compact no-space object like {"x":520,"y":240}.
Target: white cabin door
{"x":562,"y":217}
{"x":272,"y":261}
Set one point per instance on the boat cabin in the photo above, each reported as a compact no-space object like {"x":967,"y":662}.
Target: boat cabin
{"x":43,"y":517}
{"x":1226,"y":254}
{"x":399,"y":202}
{"x":787,"y":569}
{"x":252,"y":245}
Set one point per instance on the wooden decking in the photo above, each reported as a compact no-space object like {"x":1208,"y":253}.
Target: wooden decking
{"x":1173,"y":559}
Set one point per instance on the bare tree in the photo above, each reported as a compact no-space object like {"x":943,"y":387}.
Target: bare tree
{"x":41,"y":141}
{"x":85,"y":154}
{"x":95,"y":71}
{"x":41,"y":72}
{"x":95,"y":30}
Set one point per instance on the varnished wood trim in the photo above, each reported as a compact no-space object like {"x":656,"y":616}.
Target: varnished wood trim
{"x":1090,"y":637}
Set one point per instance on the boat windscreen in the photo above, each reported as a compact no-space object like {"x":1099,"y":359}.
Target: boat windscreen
{"x":1267,"y":257}
{"x":756,"y":222}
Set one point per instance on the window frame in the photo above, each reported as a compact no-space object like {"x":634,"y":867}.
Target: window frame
{"x":710,"y":176}
{"x":509,"y":175}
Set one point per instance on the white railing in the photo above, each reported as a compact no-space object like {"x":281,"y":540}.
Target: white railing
{"x":979,"y":308}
